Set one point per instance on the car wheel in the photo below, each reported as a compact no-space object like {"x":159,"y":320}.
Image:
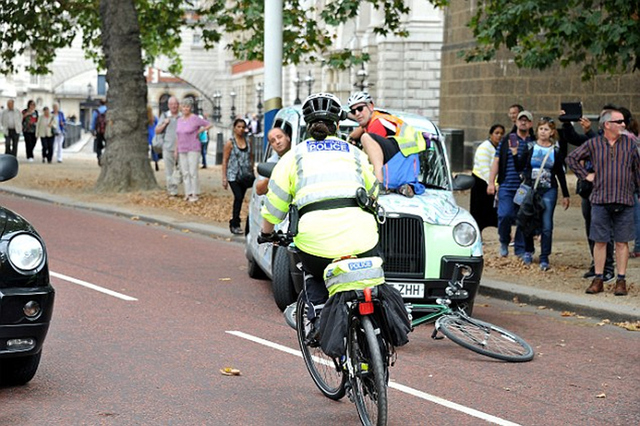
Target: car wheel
{"x":18,"y":371}
{"x":254,"y":270}
{"x":283,"y":291}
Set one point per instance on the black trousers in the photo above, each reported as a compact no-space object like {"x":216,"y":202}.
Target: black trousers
{"x":239,"y":189}
{"x":11,"y":142}
{"x":30,"y":141}
{"x":100,"y":143}
{"x":47,"y":148}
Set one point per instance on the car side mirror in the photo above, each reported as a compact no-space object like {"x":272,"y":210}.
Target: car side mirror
{"x":265,"y":169}
{"x":462,"y":182}
{"x":8,"y":167}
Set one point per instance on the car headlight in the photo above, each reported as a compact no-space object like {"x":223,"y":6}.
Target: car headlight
{"x":464,"y":234}
{"x":26,"y":252}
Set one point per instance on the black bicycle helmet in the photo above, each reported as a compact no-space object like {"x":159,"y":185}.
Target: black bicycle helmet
{"x":322,"y":106}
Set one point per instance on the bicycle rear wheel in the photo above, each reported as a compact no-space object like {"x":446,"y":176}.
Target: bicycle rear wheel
{"x":485,"y":338}
{"x":324,"y":370}
{"x":369,"y":382}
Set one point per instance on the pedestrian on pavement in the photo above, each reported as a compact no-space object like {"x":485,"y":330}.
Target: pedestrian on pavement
{"x":615,"y":177}
{"x":505,"y":166}
{"x":482,"y":205}
{"x":58,"y":131}
{"x":203,"y":137}
{"x":544,"y":163}
{"x":188,"y":149}
{"x":152,"y":122}
{"x":237,"y":170}
{"x":44,"y":130}
{"x":99,"y":129}
{"x":29,"y":123}
{"x":569,"y":136}
{"x":11,"y":124}
{"x":166,"y":129}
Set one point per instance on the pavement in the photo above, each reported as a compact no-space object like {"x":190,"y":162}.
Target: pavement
{"x":586,"y":305}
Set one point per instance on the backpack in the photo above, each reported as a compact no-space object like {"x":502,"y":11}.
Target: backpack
{"x":101,"y":122}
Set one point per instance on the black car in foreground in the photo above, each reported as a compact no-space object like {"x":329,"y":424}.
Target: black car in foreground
{"x":26,"y":295}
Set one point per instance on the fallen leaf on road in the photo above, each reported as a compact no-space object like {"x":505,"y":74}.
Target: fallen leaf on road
{"x":228,"y":371}
{"x":135,"y":217}
{"x":224,"y":279}
{"x":601,"y":395}
{"x":631,"y":326}
{"x":567,"y":314}
{"x":542,"y":307}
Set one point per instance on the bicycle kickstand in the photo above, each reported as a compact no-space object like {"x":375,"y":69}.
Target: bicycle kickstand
{"x":435,"y":336}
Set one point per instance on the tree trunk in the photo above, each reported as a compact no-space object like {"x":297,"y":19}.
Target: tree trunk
{"x":125,"y":162}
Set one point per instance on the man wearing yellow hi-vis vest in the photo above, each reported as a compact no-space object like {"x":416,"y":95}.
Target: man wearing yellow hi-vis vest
{"x":320,"y":176}
{"x":391,"y":144}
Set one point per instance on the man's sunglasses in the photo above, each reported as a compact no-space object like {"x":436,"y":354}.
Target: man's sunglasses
{"x":616,"y":121}
{"x":358,"y":109}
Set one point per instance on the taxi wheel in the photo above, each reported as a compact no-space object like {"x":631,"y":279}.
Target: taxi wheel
{"x":284,"y":292}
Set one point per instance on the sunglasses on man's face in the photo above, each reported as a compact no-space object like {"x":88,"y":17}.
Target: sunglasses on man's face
{"x":358,"y":109}
{"x":616,"y":121}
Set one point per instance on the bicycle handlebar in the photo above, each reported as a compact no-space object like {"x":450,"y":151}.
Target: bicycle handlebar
{"x":278,"y":238}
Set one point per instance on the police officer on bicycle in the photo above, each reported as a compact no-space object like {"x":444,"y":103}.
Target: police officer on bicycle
{"x":320,"y":177}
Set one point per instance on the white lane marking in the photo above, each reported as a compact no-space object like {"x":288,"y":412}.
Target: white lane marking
{"x":93,"y":287}
{"x":402,"y":388}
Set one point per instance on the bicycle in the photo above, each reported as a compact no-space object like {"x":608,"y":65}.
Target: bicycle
{"x":362,"y":372}
{"x":479,"y":336}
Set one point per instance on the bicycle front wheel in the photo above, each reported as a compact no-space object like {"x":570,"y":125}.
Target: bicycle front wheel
{"x":326,"y":373}
{"x":485,"y":338}
{"x":369,"y":381}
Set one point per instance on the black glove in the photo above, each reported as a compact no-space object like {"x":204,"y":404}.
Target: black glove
{"x":266,"y":238}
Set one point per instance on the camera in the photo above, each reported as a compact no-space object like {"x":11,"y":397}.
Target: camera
{"x":572,"y":111}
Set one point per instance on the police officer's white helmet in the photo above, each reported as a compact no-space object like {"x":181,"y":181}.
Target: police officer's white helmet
{"x":359,"y":98}
{"x":322,"y":106}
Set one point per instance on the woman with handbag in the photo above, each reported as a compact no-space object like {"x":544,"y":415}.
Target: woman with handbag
{"x":45,"y":131}
{"x":543,"y":163}
{"x":237,"y":170}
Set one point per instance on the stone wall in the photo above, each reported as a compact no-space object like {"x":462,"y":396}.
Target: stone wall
{"x":473,"y":96}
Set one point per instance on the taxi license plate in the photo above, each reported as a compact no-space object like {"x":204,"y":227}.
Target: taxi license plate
{"x":410,"y":290}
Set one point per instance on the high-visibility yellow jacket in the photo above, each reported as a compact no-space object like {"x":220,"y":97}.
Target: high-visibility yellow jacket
{"x":410,"y":140}
{"x":316,"y":171}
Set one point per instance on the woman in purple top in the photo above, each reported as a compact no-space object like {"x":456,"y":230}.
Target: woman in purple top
{"x":188,"y":148}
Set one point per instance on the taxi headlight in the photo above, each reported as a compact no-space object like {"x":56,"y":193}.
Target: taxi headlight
{"x":26,"y":252}
{"x":464,"y":234}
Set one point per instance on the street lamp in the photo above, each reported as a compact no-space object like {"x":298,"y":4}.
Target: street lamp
{"x":309,"y":80}
{"x":259,"y":90}
{"x":361,"y":76}
{"x":233,"y":106}
{"x":89,"y":91}
{"x":297,"y":82}
{"x":216,"y":107}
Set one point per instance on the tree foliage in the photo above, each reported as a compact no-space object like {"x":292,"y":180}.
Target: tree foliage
{"x":602,"y":36}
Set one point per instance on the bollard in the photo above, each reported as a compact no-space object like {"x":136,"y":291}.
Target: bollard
{"x":219,"y":148}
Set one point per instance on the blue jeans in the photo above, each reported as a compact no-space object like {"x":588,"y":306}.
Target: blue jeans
{"x":507,"y":211}
{"x":549,"y":198}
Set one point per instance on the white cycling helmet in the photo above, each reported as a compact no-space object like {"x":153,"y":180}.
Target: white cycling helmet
{"x":322,"y":106}
{"x":359,"y":98}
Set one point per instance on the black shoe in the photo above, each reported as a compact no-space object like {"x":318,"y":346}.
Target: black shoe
{"x":589,"y":274}
{"x":236,"y":230}
{"x":313,"y":336}
{"x":608,"y":277}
